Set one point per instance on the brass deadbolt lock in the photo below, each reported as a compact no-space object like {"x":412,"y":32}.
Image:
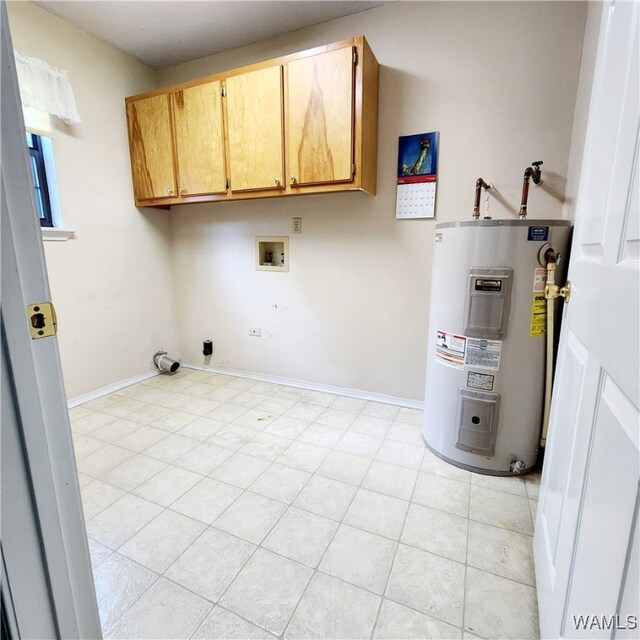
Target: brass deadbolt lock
{"x":42,"y":320}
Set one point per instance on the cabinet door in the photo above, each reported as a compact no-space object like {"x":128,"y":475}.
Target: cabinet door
{"x":151,"y":147}
{"x":197,"y":113}
{"x":254,"y":117}
{"x":320,"y":117}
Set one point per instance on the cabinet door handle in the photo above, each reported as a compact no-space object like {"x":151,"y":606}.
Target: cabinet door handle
{"x":277,"y":181}
{"x":293,"y":179}
{"x":182,"y":191}
{"x":170,"y":192}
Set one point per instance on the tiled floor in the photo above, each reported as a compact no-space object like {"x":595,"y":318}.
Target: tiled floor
{"x":221,"y":507}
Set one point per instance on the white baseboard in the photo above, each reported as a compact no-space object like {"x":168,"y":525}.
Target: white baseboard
{"x":110,"y":388}
{"x":312,"y":386}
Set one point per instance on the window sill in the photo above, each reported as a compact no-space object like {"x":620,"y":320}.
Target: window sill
{"x":57,"y":235}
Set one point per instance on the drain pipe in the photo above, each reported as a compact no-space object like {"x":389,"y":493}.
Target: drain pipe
{"x":165,"y":363}
{"x":551,"y":307}
{"x":533,"y":172}
{"x":480,"y":185}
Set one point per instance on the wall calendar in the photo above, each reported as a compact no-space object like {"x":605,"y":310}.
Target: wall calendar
{"x":417,"y":175}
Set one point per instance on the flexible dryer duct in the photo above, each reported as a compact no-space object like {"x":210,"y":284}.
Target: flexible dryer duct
{"x":165,"y":363}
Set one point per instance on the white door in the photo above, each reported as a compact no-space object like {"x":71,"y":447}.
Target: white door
{"x":47,"y":587}
{"x":586,"y":539}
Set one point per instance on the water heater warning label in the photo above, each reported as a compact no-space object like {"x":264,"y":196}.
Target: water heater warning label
{"x":482,"y":381}
{"x":450,"y":349}
{"x":483,"y":354}
{"x":538,"y":316}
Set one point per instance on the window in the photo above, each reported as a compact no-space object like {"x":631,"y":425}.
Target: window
{"x":41,"y":187}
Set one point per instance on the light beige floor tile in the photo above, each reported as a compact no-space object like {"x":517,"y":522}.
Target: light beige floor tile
{"x":499,"y":608}
{"x":332,"y":609}
{"x":198,"y":406}
{"x":119,"y":583}
{"x":290,"y":393}
{"x":233,"y":437}
{"x":142,"y":438}
{"x":171,"y":448}
{"x":303,"y":455}
{"x":224,"y":394}
{"x":174,"y":420}
{"x":103,"y":460}
{"x":396,"y":621}
{"x":239,"y":470}
{"x":319,"y":398}
{"x":390,"y":479}
{"x":275,"y":406}
{"x":377,"y":513}
{"x":360,"y":558}
{"x":167,"y":485}
{"x":206,"y":500}
{"x":345,"y":467}
{"x":256,"y":419}
{"x":221,"y":623}
{"x":408,"y":433}
{"x":371,"y":425}
{"x":241,"y":384}
{"x":266,"y":445}
{"x":84,"y":446}
{"x":510,"y":484}
{"x":158,"y":544}
{"x":164,"y":611}
{"x":202,"y":428}
{"x":280,"y":482}
{"x":533,"y":508}
{"x":344,"y":403}
{"x":250,"y":517}
{"x":209,"y":565}
{"x":301,"y":536}
{"x":104,"y":402}
{"x":380,"y":410}
{"x":333,"y":417}
{"x":286,"y":427}
{"x":204,"y":458}
{"x":505,"y":553}
{"x":247,"y":399}
{"x":133,"y":472}
{"x":500,"y":509}
{"x":119,"y":522}
{"x":148,"y":394}
{"x":149,"y":414}
{"x":437,"y":532}
{"x":304,"y":411}
{"x":115,"y":430}
{"x":267,"y":590}
{"x":227,"y":412}
{"x":321,"y":435}
{"x":98,"y":553}
{"x":532,"y":484}
{"x":172,"y":400}
{"x":78,"y":412}
{"x":326,"y":497}
{"x":91,"y":421}
{"x":359,"y":444}
{"x":84,"y":480}
{"x":410,"y":416}
{"x":428,"y":583}
{"x":432,"y":464}
{"x":442,"y":493}
{"x":266,"y":388}
{"x":400,"y":453}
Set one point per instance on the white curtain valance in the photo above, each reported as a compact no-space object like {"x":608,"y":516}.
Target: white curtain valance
{"x":46,"y":88}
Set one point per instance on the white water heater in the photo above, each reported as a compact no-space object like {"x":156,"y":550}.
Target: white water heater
{"x":486,"y":353}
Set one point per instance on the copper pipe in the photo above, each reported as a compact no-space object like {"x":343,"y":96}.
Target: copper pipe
{"x":533,"y":172}
{"x":480,"y":185}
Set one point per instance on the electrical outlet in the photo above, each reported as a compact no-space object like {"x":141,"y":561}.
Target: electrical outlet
{"x":296,"y":225}
{"x":255,"y":332}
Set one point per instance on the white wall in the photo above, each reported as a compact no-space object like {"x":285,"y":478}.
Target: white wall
{"x":498,"y":80}
{"x":111,"y":285}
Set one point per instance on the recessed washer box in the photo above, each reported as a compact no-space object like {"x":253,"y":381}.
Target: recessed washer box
{"x":272,"y":253}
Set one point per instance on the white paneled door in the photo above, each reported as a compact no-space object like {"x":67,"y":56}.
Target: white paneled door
{"x":586,"y":540}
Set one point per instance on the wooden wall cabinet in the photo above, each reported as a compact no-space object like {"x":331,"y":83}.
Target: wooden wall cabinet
{"x":303,"y":123}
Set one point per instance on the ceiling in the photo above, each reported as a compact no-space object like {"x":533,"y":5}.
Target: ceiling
{"x":164,"y":33}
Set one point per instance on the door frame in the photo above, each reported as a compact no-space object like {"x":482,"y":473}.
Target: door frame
{"x":54,"y":539}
